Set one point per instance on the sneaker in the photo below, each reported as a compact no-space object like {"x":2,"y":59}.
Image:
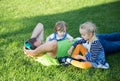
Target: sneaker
{"x":105,"y":66}
{"x":63,"y":61}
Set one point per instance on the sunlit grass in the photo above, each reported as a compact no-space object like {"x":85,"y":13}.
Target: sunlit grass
{"x":17,"y":20}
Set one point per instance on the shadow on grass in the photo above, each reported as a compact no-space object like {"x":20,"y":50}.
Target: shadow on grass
{"x":105,"y":16}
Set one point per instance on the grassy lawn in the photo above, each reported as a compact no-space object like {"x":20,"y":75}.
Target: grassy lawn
{"x":19,"y":17}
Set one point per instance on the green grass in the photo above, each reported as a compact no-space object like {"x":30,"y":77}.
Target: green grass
{"x":19,"y":17}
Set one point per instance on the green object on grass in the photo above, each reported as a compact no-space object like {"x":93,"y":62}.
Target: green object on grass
{"x":63,"y":47}
{"x":47,"y":60}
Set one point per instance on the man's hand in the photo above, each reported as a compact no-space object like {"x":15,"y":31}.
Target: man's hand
{"x":29,"y":53}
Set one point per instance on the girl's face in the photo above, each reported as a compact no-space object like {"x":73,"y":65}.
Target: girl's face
{"x":61,"y":33}
{"x":85,"y":35}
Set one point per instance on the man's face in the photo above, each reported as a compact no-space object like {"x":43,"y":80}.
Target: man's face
{"x":37,"y":43}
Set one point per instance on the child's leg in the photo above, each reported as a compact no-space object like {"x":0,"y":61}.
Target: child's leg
{"x":38,"y":32}
{"x":83,"y":65}
{"x":79,"y":49}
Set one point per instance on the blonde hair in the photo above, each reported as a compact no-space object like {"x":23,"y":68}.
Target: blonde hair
{"x":89,"y":27}
{"x":60,"y":26}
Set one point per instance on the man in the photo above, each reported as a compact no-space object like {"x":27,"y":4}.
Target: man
{"x":40,"y":47}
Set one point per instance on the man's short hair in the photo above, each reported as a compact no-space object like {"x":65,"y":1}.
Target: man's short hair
{"x":29,"y":44}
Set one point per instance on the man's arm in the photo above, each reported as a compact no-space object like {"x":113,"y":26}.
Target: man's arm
{"x":49,"y":47}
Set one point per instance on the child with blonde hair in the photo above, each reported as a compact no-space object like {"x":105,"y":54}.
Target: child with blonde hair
{"x":60,"y":32}
{"x":88,"y":49}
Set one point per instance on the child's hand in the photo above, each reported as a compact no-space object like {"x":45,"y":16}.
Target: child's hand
{"x":70,"y":40}
{"x":82,"y":57}
{"x":70,"y":50}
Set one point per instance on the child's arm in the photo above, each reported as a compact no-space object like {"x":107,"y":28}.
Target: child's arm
{"x":96,"y":50}
{"x":79,"y":42}
{"x":75,"y":44}
{"x":69,"y":37}
{"x":51,"y":36}
{"x":70,"y":50}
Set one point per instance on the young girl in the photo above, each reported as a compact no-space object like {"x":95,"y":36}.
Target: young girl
{"x":92,"y":52}
{"x":59,"y":32}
